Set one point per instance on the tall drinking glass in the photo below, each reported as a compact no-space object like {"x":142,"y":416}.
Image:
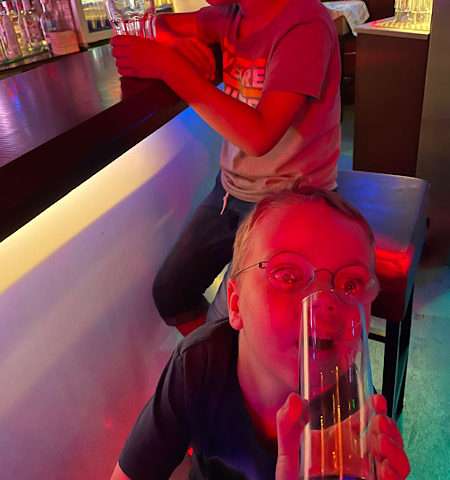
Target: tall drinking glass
{"x":132,"y":17}
{"x":335,"y":379}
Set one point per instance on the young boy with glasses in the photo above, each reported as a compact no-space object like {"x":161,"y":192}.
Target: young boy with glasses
{"x":228,"y":385}
{"x":279,"y":116}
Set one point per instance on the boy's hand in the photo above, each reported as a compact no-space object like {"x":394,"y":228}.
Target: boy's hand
{"x":385,"y":441}
{"x":143,"y":58}
{"x":198,"y":54}
{"x":139,"y":57}
{"x":291,"y":420}
{"x":386,"y":444}
{"x":193,"y":49}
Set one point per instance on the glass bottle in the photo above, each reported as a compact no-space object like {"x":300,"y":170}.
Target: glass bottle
{"x":87,"y":13}
{"x":32,"y":26}
{"x":22,"y":27}
{"x":57,"y":23}
{"x":103,"y":15}
{"x":3,"y":57}
{"x":10,"y":44}
{"x":16,"y":20}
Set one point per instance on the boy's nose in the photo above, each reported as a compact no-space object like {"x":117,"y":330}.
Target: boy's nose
{"x":326,"y":309}
{"x":323,"y":280}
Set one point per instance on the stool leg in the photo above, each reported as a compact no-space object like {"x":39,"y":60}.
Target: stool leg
{"x":390,"y":366}
{"x":404,"y":350}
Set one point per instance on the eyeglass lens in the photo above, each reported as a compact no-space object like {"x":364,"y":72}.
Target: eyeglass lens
{"x":354,"y":283}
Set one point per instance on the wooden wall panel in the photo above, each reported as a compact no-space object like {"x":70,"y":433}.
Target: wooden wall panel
{"x":390,"y":77}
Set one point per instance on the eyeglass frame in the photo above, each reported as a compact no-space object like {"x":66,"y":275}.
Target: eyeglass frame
{"x":264,"y":263}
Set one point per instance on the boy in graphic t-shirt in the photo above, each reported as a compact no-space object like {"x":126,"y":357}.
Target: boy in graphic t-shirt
{"x":279,"y":115}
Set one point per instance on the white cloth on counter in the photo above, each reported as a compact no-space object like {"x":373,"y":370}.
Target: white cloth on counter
{"x":354,"y":11}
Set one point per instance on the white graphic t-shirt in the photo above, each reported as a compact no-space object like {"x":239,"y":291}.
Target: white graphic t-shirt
{"x":297,"y":52}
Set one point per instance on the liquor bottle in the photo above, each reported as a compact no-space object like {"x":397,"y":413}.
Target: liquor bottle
{"x":57,"y":23}
{"x":103,"y":22}
{"x":3,"y":57}
{"x":97,"y":16}
{"x":8,"y":37}
{"x":21,"y":27}
{"x":32,"y":26}
{"x":90,"y":16}
{"x":16,"y":21}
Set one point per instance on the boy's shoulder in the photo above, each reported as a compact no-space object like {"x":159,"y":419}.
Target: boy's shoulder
{"x":213,"y":337}
{"x":208,"y":358}
{"x":307,"y":11}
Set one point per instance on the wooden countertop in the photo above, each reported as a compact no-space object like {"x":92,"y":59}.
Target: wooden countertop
{"x":62,"y":122}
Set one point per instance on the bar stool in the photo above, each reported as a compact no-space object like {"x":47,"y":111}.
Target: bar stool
{"x":395,"y":207}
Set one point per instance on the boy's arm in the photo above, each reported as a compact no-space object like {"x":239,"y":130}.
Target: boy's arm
{"x":255,"y":131}
{"x":183,"y":24}
{"x":187,"y":25}
{"x":160,"y":437}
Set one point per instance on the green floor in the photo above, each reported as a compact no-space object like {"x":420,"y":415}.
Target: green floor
{"x":425,"y":421}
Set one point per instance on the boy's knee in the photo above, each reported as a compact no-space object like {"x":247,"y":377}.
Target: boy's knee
{"x":177,"y":302}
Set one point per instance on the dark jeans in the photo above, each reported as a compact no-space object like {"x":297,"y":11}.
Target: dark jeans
{"x":204,"y":247}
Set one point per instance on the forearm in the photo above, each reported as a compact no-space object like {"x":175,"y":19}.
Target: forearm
{"x":183,"y":24}
{"x":237,"y":122}
{"x":253,"y":130}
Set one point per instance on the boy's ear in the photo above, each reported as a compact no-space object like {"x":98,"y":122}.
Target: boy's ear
{"x":233,"y":305}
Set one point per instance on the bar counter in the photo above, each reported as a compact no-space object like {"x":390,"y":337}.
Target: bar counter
{"x":81,"y":343}
{"x":62,"y":122}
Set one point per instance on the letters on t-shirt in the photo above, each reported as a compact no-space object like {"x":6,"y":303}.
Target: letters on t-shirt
{"x":243,"y":77}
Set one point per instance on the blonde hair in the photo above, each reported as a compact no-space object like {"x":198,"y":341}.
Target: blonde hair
{"x":298,"y":195}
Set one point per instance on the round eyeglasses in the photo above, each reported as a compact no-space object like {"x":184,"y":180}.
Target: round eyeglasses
{"x":291,"y":272}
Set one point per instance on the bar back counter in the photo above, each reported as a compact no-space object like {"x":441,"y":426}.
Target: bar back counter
{"x":97,"y":177}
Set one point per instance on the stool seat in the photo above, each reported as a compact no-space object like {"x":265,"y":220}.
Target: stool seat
{"x":395,"y":207}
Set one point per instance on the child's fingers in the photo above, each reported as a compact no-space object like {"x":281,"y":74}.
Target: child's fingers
{"x":198,"y":54}
{"x":380,"y":424}
{"x":386,"y":451}
{"x":385,"y":472}
{"x":379,"y":404}
{"x":291,"y":419}
{"x":123,"y":40}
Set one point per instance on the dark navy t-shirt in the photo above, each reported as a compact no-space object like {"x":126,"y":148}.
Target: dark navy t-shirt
{"x":198,"y":402}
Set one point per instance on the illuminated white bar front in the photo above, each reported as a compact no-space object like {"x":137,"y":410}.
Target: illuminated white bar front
{"x":81,"y":344}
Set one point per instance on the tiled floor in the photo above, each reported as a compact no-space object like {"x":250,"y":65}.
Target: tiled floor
{"x":425,"y":421}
